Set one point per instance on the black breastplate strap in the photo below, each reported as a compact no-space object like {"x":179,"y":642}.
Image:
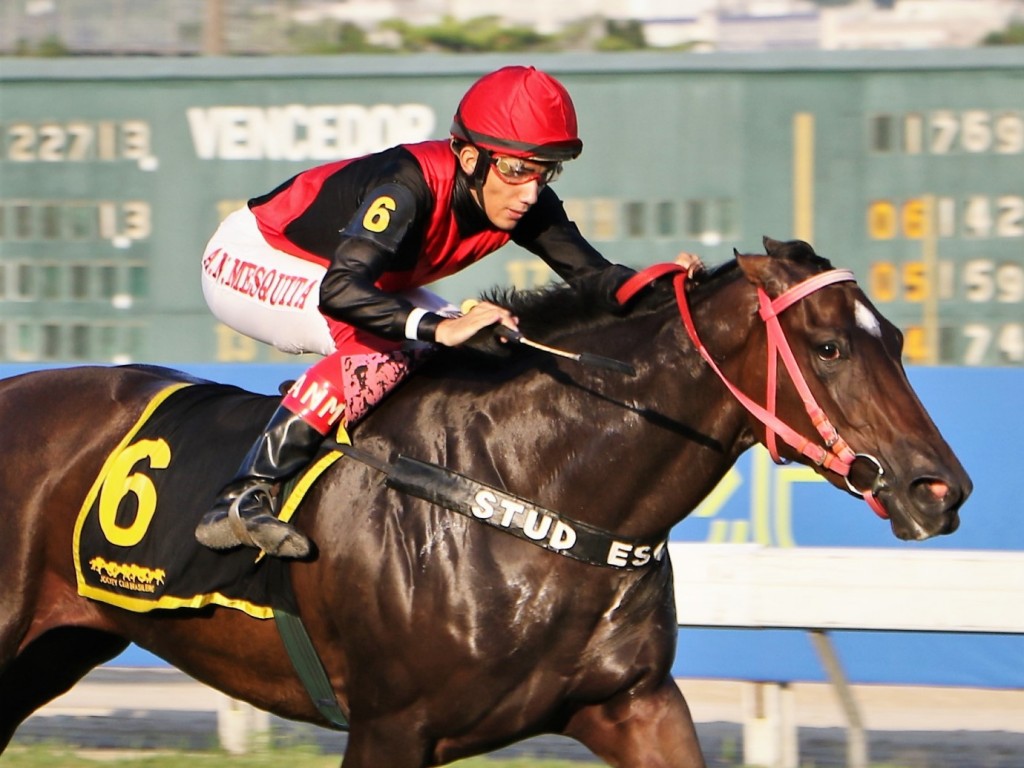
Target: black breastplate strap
{"x":519,"y":517}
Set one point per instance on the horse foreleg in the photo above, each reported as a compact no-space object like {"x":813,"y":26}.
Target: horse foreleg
{"x":394,"y":743}
{"x":48,"y":667}
{"x":640,"y":731}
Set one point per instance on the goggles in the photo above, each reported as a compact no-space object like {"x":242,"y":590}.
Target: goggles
{"x":512,"y":170}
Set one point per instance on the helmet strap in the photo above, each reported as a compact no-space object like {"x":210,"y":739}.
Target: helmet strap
{"x":483,"y":166}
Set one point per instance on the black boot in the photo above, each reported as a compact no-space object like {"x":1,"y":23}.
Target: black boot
{"x":246,"y":511}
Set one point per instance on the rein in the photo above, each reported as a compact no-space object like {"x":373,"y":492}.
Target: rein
{"x":836,"y":455}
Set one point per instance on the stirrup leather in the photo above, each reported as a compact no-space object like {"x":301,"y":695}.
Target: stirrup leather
{"x":235,"y":520}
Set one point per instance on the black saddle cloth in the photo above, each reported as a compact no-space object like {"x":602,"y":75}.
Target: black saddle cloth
{"x":134,"y":538}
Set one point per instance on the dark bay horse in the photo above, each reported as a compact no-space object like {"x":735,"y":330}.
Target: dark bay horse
{"x":443,"y":637}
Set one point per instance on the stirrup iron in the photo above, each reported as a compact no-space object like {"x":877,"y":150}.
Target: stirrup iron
{"x":235,"y":520}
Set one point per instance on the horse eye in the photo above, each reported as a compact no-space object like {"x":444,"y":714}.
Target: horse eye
{"x":829,"y":351}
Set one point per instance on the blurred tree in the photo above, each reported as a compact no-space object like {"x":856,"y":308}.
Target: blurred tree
{"x":622,"y":36}
{"x":329,"y":38}
{"x":477,"y":35}
{"x":1012,"y":35}
{"x":49,"y":47}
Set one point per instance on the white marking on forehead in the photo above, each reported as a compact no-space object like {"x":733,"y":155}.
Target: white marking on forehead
{"x":867,"y":320}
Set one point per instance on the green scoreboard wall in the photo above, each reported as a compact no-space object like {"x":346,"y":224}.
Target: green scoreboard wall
{"x":906,"y":167}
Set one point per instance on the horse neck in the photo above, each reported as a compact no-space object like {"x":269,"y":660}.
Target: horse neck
{"x":718,"y":427}
{"x":645,"y":450}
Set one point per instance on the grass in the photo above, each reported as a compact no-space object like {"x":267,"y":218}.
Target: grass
{"x":58,"y":756}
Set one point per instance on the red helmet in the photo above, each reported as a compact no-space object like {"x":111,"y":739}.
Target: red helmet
{"x":519,"y":111}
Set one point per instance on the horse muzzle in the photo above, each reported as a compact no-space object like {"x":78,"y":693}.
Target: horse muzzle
{"x":928,"y":505}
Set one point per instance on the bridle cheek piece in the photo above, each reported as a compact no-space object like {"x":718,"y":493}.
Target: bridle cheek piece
{"x":836,"y":455}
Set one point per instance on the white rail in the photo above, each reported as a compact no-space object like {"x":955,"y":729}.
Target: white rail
{"x":739,"y":585}
{"x":819,"y":589}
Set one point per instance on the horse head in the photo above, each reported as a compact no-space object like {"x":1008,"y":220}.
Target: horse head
{"x":849,"y":355}
{"x":840,"y":401}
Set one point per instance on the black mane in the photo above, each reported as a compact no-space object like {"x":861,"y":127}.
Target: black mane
{"x":559,"y":308}
{"x":554,"y":311}
{"x":554,"y":307}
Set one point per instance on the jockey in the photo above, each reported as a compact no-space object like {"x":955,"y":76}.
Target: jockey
{"x":334,"y":260}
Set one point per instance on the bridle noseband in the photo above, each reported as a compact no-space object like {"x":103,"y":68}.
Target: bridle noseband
{"x":836,"y":455}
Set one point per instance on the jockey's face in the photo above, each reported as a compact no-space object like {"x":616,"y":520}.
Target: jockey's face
{"x":504,"y":203}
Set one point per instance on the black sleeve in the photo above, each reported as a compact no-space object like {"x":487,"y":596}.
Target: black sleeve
{"x":547,"y":232}
{"x":383,"y":235}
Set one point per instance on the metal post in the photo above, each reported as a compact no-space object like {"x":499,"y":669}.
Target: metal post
{"x":856,"y":741}
{"x":241,"y":727}
{"x":769,"y":726}
{"x":213,"y":28}
{"x":803,"y":176}
{"x":930,"y":257}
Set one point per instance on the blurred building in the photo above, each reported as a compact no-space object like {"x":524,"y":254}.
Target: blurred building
{"x":176,"y":27}
{"x":916,"y":23}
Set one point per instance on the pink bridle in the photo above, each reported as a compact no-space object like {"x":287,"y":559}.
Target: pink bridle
{"x":836,"y":455}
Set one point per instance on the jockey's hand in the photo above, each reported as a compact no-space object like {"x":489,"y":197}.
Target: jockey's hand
{"x":453,"y":331}
{"x":691,"y":261}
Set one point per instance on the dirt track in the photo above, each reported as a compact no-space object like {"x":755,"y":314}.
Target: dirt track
{"x":912,"y":727}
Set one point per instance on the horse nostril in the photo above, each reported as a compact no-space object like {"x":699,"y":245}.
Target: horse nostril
{"x":930,"y":491}
{"x":938,"y":488}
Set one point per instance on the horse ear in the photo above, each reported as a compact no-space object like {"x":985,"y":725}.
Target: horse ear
{"x":756,"y":267}
{"x":793,"y":249}
{"x":762,"y":270}
{"x":771,"y":247}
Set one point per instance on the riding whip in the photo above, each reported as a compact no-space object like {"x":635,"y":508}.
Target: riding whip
{"x":586,"y":358}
